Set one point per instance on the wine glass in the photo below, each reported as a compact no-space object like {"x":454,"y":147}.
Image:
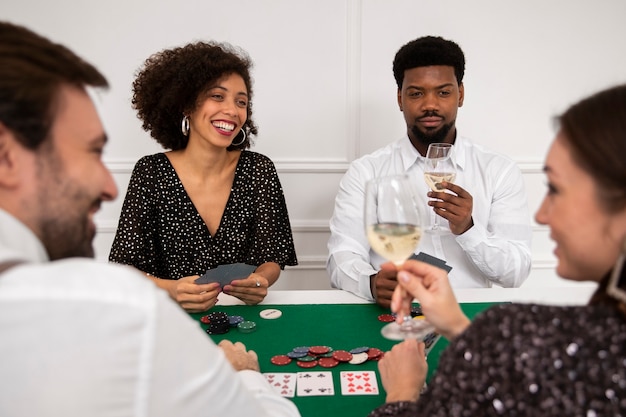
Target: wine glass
{"x":393,"y":230}
{"x":439,"y":168}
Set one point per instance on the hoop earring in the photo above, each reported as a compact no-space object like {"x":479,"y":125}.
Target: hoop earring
{"x":242,"y":140}
{"x":613,"y":288}
{"x":184,"y":126}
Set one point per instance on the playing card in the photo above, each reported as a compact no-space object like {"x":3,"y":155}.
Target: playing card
{"x":433,"y":260}
{"x":315,"y":383}
{"x":283,"y":383}
{"x":225,"y":274}
{"x":358,"y":383}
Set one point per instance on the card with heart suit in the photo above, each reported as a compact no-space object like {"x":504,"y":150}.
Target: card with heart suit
{"x":315,"y":383}
{"x":283,"y":383}
{"x":358,"y":383}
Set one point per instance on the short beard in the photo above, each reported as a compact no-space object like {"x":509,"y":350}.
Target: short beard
{"x":429,"y":137}
{"x":63,"y":215}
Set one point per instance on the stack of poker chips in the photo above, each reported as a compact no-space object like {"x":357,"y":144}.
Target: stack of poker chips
{"x":219,"y":323}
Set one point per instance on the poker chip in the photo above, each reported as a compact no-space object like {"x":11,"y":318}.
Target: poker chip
{"x":386,"y":318}
{"x":374,"y":354}
{"x":246,"y":326}
{"x":295,"y":355}
{"x":304,"y":349}
{"x":342,"y":355}
{"x":319,"y":350}
{"x":359,"y":358}
{"x":307,"y":358}
{"x":359,"y":349}
{"x":416,"y":311}
{"x":310,"y":364}
{"x":271,"y":313}
{"x":205,"y":319}
{"x":280,"y":360}
{"x":218,"y":323}
{"x":235,"y":320}
{"x":328,"y":362}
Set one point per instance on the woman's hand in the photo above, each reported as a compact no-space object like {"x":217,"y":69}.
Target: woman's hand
{"x":403,"y":371}
{"x":194,"y":298}
{"x":251,"y":290}
{"x":430,"y":286}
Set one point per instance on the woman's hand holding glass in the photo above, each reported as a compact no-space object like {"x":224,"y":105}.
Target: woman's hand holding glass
{"x":430,"y":285}
{"x":393,"y":230}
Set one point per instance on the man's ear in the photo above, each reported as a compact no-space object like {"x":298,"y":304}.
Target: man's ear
{"x":9,"y":160}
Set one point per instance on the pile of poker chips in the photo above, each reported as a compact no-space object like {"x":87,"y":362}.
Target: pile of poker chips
{"x":326,"y":356}
{"x":220,"y":323}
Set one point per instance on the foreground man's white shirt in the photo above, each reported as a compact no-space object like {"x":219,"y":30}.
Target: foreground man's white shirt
{"x":81,"y":338}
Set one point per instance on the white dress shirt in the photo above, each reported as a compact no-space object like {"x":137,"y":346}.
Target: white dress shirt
{"x":496,"y":250}
{"x":81,"y":338}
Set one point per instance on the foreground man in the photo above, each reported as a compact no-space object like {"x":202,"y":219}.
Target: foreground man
{"x":81,"y":338}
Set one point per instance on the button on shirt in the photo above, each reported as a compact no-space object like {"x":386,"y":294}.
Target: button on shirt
{"x":496,"y":250}
{"x":82,"y":338}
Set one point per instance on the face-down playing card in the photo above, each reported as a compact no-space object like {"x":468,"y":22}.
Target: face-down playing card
{"x":225,"y":274}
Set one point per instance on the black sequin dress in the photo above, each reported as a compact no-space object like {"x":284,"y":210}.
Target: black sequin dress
{"x":161,"y":232}
{"x":529,"y":360}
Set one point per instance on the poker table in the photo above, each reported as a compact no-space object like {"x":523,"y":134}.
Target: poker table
{"x":335,"y":319}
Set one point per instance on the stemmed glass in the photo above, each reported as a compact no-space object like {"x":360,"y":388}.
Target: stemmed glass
{"x":393,"y":230}
{"x":439,"y":168}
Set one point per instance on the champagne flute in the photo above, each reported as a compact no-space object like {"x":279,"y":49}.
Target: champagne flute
{"x":439,"y":168}
{"x":393,"y":230}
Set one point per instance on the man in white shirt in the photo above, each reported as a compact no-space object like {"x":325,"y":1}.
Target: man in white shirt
{"x":81,"y":338}
{"x":484,"y":214}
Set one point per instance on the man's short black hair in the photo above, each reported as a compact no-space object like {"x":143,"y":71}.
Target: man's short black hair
{"x":428,"y":51}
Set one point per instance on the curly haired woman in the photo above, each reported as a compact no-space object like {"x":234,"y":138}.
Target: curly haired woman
{"x":207,"y":201}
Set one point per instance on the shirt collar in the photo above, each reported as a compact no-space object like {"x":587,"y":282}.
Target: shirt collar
{"x":18,"y":242}
{"x":411,"y":156}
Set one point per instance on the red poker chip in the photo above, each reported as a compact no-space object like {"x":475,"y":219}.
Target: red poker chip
{"x":310,"y":364}
{"x":205,"y":319}
{"x":342,"y":355}
{"x":374,"y":354}
{"x":319,"y":350}
{"x":386,"y":318}
{"x":280,"y":360}
{"x":328,"y":362}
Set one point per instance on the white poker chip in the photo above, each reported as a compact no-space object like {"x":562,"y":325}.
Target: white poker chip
{"x":358,"y":358}
{"x":271,"y":313}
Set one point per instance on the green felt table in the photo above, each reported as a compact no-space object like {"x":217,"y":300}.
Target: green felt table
{"x":340,"y":326}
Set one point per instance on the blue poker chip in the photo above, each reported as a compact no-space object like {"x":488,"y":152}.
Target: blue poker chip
{"x":234,"y":320}
{"x":359,"y":349}
{"x":294,"y":355}
{"x":300,"y":349}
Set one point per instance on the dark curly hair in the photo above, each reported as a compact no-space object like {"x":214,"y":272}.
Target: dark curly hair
{"x":32,"y":71}
{"x":173,"y":82}
{"x":427,"y":51}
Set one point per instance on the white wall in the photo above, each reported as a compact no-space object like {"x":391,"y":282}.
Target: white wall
{"x":325,"y":92}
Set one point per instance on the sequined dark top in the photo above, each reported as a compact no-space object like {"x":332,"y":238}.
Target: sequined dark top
{"x":529,"y":360}
{"x":161,"y":232}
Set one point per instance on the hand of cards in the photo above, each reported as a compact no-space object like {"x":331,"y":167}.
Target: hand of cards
{"x":225,"y":274}
{"x":429,"y":259}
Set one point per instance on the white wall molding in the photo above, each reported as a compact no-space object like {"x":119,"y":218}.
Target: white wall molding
{"x":310,"y":166}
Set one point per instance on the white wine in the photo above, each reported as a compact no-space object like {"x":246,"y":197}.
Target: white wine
{"x":394,"y":241}
{"x":434,"y":179}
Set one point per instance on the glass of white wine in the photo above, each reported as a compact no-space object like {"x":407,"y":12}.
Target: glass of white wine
{"x":439,"y":168}
{"x":394,"y":230}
